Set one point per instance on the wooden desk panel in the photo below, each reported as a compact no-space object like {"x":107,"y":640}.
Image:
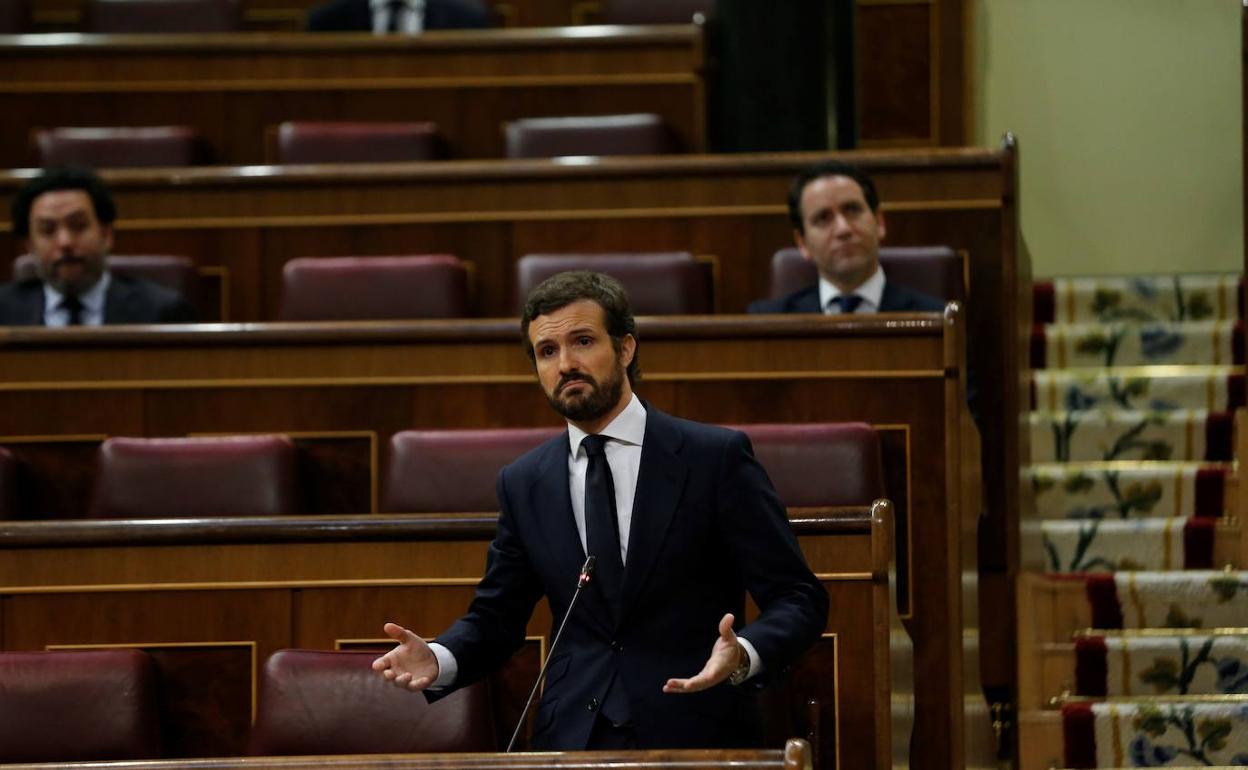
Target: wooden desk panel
{"x":231,"y":87}
{"x":220,"y":588}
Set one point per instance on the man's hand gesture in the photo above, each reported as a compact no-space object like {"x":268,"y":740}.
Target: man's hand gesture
{"x":723,"y":661}
{"x":411,"y":664}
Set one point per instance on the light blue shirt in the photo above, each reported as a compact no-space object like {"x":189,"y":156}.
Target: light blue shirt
{"x":55,"y":314}
{"x":871,"y":291}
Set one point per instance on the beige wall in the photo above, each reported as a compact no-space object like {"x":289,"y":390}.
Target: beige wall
{"x":1129,"y":120}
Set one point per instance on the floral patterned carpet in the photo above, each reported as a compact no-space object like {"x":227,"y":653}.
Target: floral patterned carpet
{"x":1135,"y":384}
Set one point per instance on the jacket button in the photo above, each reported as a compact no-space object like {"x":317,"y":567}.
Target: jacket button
{"x":617,"y":646}
{"x":592,"y":705}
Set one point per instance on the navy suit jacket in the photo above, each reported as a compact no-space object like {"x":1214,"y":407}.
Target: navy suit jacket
{"x":896,"y":299}
{"x":707,"y":527}
{"x":128,"y":301}
{"x":357,"y":16}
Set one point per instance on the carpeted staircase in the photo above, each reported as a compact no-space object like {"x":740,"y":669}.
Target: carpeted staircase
{"x":1133,"y":614}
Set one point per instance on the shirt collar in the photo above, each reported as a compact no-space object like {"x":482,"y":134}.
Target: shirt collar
{"x":629,"y":426}
{"x":871,"y":290}
{"x":92,"y":299}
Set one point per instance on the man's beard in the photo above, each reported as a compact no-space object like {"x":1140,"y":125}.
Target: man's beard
{"x":87,"y":276}
{"x":598,"y":401}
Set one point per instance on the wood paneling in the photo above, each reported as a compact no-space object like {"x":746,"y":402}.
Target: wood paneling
{"x":233,"y":87}
{"x":228,"y":605}
{"x":901,"y":373}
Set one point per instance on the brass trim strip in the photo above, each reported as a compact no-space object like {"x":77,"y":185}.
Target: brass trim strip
{"x":244,"y":585}
{"x":70,"y":438}
{"x":489,"y":379}
{"x":231,"y":86}
{"x":1127,"y":633}
{"x":1116,"y":727}
{"x":844,"y":576}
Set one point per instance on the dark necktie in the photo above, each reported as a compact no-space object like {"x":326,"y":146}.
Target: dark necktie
{"x":848,"y":303}
{"x":72,"y":305}
{"x":395,"y":10}
{"x":602,"y":529}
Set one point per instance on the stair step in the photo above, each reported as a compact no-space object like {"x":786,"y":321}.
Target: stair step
{"x":1184,"y":435}
{"x":1066,"y":346}
{"x":1121,"y":490}
{"x":1162,"y":664}
{"x":1151,"y":297}
{"x":1153,"y":388}
{"x":1111,"y":546}
{"x":1156,"y":733}
{"x":1193,"y":599}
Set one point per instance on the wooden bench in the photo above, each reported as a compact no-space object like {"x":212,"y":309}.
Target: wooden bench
{"x":232,"y":87}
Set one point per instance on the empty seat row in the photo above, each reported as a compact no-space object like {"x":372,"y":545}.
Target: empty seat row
{"x":99,"y":705}
{"x":427,"y":471}
{"x":354,"y":142}
{"x":440,"y":286}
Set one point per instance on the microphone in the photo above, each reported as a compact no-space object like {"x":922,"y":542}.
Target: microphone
{"x":582,"y":580}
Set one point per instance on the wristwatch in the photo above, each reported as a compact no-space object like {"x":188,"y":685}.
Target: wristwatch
{"x":743,"y":666}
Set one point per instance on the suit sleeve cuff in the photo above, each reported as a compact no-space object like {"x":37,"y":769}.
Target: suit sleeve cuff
{"x":448,"y":667}
{"x":756,"y":663}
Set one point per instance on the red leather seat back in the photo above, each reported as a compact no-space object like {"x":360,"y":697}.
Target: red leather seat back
{"x":314,"y":142}
{"x":127,"y":16}
{"x":658,"y":284}
{"x":120,"y":147}
{"x":374,"y":288}
{"x":314,"y":702}
{"x":447,"y":471}
{"x":93,"y":705}
{"x":820,"y":464}
{"x":194,"y":477}
{"x":640,"y":134}
{"x":937,"y":271}
{"x":8,"y":484}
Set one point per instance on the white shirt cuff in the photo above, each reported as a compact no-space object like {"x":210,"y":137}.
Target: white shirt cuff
{"x":756,"y":663}
{"x":448,"y":668}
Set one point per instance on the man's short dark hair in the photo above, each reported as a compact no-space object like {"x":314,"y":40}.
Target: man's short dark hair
{"x":563,"y":289}
{"x":68,"y":178}
{"x":819,"y":171}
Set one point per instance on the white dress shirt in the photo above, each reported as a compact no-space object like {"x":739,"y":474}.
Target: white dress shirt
{"x":871,"y":291}
{"x":411,"y":17}
{"x":54,"y":314}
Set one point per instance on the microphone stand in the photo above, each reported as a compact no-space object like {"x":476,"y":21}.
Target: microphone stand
{"x":587,"y":573}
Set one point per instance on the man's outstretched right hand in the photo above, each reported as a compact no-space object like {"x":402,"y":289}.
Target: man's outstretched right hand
{"x":411,"y":664}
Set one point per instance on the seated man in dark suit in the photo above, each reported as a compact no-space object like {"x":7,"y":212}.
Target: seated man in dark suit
{"x":838,"y":226}
{"x":66,"y":218}
{"x":409,"y":17}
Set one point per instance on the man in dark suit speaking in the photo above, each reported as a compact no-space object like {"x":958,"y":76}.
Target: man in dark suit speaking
{"x":838,"y":226}
{"x":682,"y":520}
{"x":66,"y":218}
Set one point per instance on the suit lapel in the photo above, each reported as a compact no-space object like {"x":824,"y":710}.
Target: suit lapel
{"x":116,"y":302}
{"x":32,"y":304}
{"x":808,"y":301}
{"x":552,"y":505}
{"x":660,"y":483}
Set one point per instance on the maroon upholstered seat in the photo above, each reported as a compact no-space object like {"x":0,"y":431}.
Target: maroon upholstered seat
{"x":937,"y":271}
{"x":120,"y":147}
{"x":123,"y":16}
{"x":63,"y":706}
{"x":374,"y":288}
{"x":658,"y":284}
{"x":641,"y":134}
{"x":314,"y":702}
{"x":312,"y":142}
{"x":193,"y":477}
{"x":657,"y":11}
{"x":447,"y":471}
{"x":8,"y":484}
{"x":820,"y":464}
